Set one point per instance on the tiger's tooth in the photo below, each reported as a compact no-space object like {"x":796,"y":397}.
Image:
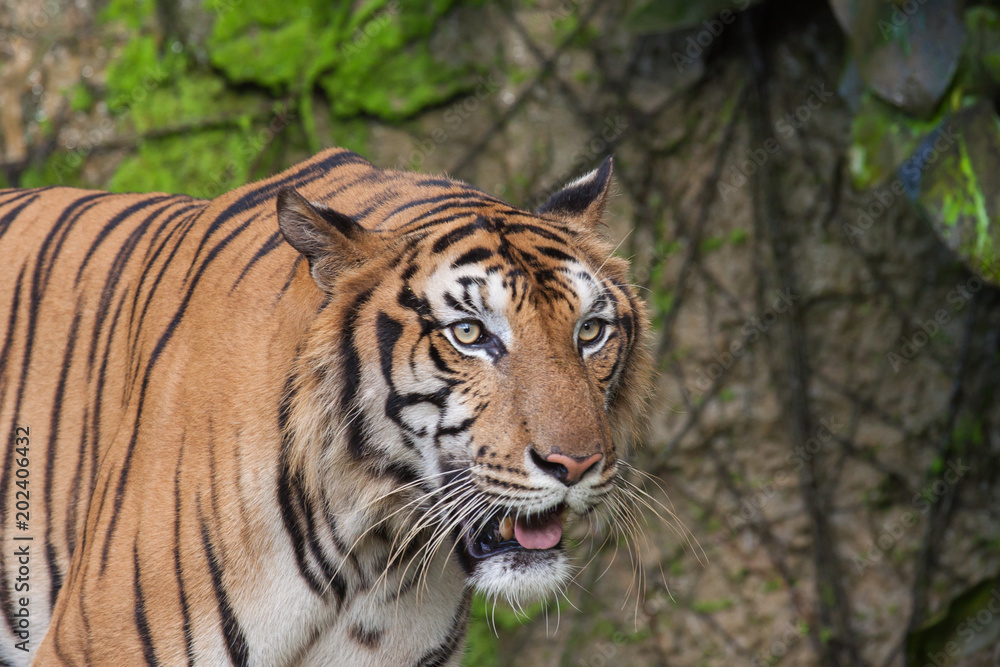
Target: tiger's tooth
{"x":506,"y":528}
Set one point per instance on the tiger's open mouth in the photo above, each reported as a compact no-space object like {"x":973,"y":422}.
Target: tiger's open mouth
{"x":503,"y":532}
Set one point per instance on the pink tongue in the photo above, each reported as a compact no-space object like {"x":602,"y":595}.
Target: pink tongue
{"x":541,"y":534}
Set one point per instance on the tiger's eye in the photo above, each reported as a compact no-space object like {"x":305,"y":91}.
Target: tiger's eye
{"x":590,"y":331}
{"x":467,"y":333}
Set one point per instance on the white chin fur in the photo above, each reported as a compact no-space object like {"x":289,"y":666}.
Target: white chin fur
{"x":523,"y":577}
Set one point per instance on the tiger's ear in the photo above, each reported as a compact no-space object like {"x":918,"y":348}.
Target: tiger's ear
{"x":584,"y":198}
{"x":331,"y":241}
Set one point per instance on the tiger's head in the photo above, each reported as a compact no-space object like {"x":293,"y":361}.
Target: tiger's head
{"x":479,"y":364}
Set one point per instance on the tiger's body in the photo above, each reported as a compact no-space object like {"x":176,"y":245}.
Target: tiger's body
{"x":258,"y":446}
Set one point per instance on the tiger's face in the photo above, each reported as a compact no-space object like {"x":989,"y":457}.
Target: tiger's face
{"x":504,"y":357}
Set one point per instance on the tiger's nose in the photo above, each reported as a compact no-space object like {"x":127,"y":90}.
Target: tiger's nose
{"x":567,"y":469}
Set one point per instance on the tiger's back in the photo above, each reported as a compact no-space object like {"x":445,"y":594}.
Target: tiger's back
{"x":147,"y":348}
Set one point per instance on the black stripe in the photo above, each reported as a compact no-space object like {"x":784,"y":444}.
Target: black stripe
{"x":291,"y":277}
{"x":72,"y":505}
{"x":457,"y":211}
{"x":113,"y":223}
{"x":453,"y":639}
{"x":114,"y":274}
{"x":147,"y":376}
{"x":387,"y":332}
{"x":178,"y":567}
{"x":236,"y":642}
{"x":272,"y":242}
{"x":61,"y":229}
{"x":141,"y":622}
{"x":478,"y":254}
{"x":408,"y":299}
{"x":289,"y":493}
{"x":445,"y":183}
{"x":555,"y":253}
{"x":438,"y":360}
{"x":519,"y":227}
{"x":262,"y":193}
{"x":55,"y":576}
{"x":95,"y":427}
{"x":9,"y":339}
{"x":457,"y":234}
{"x":370,"y":638}
{"x":450,"y":200}
{"x":290,"y":502}
{"x":331,"y":573}
{"x":188,"y":223}
{"x":462,"y":426}
{"x":352,"y":378}
{"x":148,"y":261}
{"x":8,"y":219}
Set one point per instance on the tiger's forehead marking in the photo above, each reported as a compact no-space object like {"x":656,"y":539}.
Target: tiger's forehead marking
{"x":488,"y":270}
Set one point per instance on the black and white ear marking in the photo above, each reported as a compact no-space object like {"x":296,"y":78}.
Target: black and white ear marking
{"x":328,"y":239}
{"x":584,"y":198}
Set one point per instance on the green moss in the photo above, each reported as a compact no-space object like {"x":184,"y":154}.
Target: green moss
{"x":206,"y":128}
{"x":134,"y":14}
{"x":772,"y":585}
{"x":738,"y":236}
{"x":883,"y":137}
{"x":137,"y":72}
{"x":711,"y":244}
{"x":711,"y":606}
{"x":80,"y":98}
{"x":204,"y":164}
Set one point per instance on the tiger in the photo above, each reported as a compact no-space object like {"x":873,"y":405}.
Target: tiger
{"x":305,"y":421}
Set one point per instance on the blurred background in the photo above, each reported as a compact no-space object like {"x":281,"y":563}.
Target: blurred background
{"x":808,"y":192}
